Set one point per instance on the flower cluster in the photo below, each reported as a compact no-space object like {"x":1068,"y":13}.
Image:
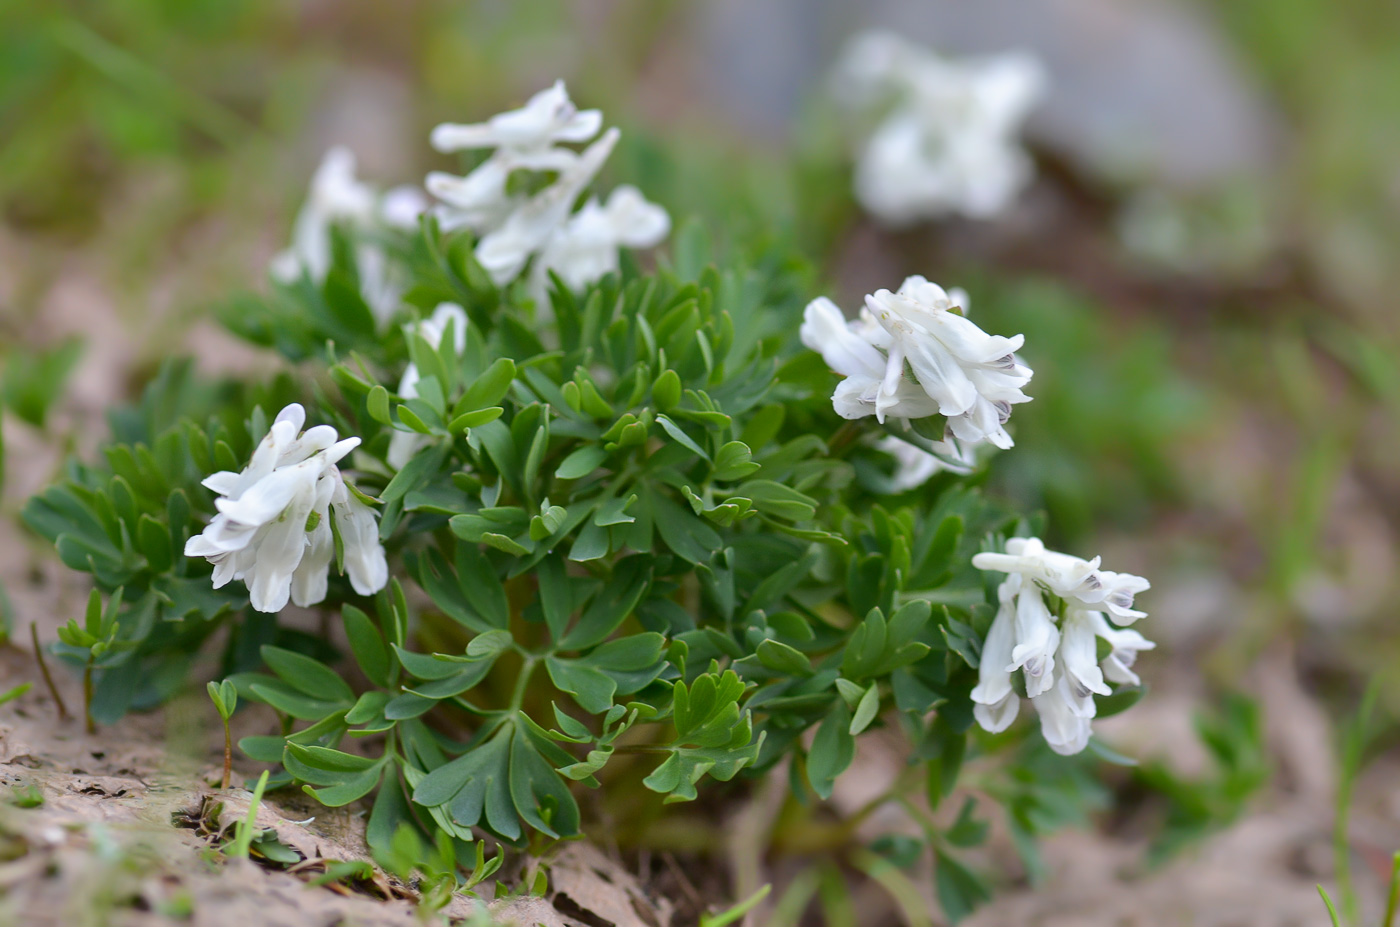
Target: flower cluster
{"x":273,"y":530}
{"x":958,"y":370}
{"x":513,"y":226}
{"x":1059,"y":662}
{"x":337,"y":197}
{"x":948,"y":142}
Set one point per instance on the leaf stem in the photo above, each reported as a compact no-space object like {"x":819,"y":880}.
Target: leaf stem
{"x":44,"y":668}
{"x":228,"y":756}
{"x":517,"y":698}
{"x":88,"y":724}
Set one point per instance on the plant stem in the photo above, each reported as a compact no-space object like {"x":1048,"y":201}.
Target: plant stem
{"x":44,"y":668}
{"x":88,"y":724}
{"x":228,"y":755}
{"x":517,"y":698}
{"x":1393,"y":900}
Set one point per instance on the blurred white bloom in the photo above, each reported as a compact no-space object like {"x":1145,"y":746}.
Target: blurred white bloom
{"x":1060,"y":664}
{"x":401,"y":207}
{"x":403,"y":445}
{"x":514,"y":227}
{"x":914,"y":466}
{"x":337,"y":197}
{"x":586,"y":248}
{"x":1126,"y":644}
{"x":504,"y":251}
{"x":547,"y":118}
{"x":1062,"y":721}
{"x":974,"y":377}
{"x":273,"y":532}
{"x":948,"y":143}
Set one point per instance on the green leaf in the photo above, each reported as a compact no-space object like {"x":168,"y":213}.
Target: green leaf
{"x":778,"y":500}
{"x":591,"y":687}
{"x":944,"y":747}
{"x":680,"y":437}
{"x":1123,"y":698}
{"x":475,"y":787}
{"x":476,"y":419}
{"x":308,"y":676}
{"x":967,"y":831}
{"x":867,"y":709}
{"x":489,"y":388}
{"x":780,"y":658}
{"x":491,"y":644}
{"x":666,"y":391}
{"x":630,"y":580}
{"x":581,"y":462}
{"x":367,"y":644}
{"x":832,"y":750}
{"x":471,"y":595}
{"x":536,"y":788}
{"x":153,"y":539}
{"x":734,"y":462}
{"x":959,"y":890}
{"x":377,"y":404}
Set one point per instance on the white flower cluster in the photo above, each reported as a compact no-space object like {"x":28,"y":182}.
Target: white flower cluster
{"x":405,"y":444}
{"x":958,"y":370}
{"x":948,"y":142}
{"x":337,"y":197}
{"x":1059,"y":662}
{"x":273,"y":530}
{"x":514,"y":226}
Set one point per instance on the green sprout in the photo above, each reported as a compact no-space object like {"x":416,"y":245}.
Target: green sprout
{"x":225,"y":699}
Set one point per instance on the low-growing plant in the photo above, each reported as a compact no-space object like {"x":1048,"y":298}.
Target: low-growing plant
{"x":597,"y":523}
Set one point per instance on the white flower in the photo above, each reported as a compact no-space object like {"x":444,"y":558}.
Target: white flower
{"x":586,"y":247}
{"x":358,"y":524}
{"x":959,"y":371}
{"x":915,"y":466}
{"x":504,"y":251}
{"x":523,"y":139}
{"x":272,"y":531}
{"x":948,"y":142}
{"x":401,"y":207}
{"x":403,"y":445}
{"x":337,"y":197}
{"x":514,"y":227}
{"x":1037,"y":638}
{"x":972,"y":376}
{"x":549,"y":117}
{"x":826,"y":331}
{"x":1062,"y":723}
{"x":1069,"y":577}
{"x":995,"y":703}
{"x":1059,"y":662}
{"x":1126,"y":643}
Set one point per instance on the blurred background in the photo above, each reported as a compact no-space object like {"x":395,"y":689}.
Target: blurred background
{"x":1204,"y":270}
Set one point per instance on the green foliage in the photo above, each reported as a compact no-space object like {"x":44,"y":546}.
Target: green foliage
{"x":1234,"y":737}
{"x":637,"y":529}
{"x":33,"y":380}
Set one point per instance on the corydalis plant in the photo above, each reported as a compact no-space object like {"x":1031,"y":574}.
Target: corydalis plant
{"x":630,"y":538}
